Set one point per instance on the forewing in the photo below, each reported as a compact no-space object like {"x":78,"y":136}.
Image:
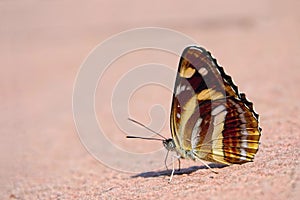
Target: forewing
{"x":209,"y":117}
{"x":195,"y":85}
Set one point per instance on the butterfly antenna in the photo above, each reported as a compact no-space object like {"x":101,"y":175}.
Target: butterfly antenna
{"x":144,"y":138}
{"x":149,"y":129}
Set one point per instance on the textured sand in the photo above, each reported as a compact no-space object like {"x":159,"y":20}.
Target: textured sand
{"x":42,"y":46}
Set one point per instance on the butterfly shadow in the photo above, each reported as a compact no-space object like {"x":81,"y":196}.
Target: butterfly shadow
{"x":182,"y":171}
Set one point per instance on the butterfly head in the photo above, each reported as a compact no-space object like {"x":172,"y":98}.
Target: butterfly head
{"x":169,"y":144}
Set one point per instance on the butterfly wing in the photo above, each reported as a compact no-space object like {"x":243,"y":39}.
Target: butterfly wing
{"x":210,"y":120}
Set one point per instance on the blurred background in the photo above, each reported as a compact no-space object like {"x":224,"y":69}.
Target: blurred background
{"x":43,"y":43}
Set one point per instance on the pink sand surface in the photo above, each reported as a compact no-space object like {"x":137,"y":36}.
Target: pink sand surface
{"x":42,"y":45}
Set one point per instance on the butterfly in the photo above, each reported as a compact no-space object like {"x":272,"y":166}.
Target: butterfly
{"x":210,"y":120}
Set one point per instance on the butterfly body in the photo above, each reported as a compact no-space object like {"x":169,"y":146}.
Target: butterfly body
{"x":210,"y":120}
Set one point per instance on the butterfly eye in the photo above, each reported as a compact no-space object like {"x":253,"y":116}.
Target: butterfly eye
{"x":169,"y":144}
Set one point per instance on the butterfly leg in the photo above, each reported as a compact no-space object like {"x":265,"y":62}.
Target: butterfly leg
{"x":173,"y":164}
{"x":208,"y":167}
{"x":179,"y":163}
{"x":166,"y":158}
{"x":173,"y":170}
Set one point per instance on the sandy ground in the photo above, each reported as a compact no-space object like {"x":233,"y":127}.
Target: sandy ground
{"x":42,"y":45}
